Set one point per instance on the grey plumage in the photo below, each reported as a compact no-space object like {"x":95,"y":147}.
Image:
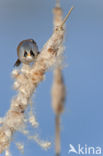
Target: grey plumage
{"x":27,"y":52}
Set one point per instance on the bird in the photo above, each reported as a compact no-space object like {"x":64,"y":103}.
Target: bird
{"x":27,"y":52}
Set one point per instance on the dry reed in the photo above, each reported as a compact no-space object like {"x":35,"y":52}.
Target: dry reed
{"x":58,"y":88}
{"x":26,"y":82}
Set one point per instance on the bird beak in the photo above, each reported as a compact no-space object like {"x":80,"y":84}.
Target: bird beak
{"x":28,"y":54}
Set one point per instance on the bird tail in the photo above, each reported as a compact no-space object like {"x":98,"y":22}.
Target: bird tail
{"x":17,"y":63}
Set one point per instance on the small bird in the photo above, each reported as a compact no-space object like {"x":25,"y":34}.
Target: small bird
{"x":27,"y":52}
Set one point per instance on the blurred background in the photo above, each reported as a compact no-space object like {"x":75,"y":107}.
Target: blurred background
{"x":82,"y":121}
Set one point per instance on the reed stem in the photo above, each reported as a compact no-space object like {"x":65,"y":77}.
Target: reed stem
{"x":66,"y":17}
{"x":57,"y":135}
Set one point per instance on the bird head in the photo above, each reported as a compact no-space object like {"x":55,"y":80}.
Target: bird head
{"x":27,"y":51}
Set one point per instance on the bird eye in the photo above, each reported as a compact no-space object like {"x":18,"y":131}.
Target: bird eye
{"x":25,"y":53}
{"x":31,"y":53}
